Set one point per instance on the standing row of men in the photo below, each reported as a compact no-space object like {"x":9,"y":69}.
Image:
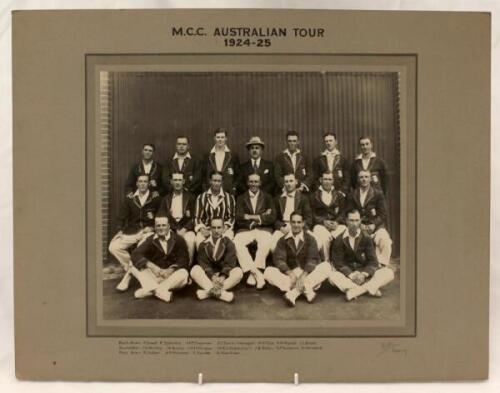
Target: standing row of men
{"x":298,"y":226}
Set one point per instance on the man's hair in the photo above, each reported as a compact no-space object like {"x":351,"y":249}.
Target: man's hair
{"x":366,"y":171}
{"x":142,"y":175}
{"x":220,"y":130}
{"x":327,"y":172}
{"x":288,"y":174}
{"x":297,"y":213}
{"x":150,"y":145}
{"x":353,"y":211}
{"x":365,"y":137}
{"x":216,"y":218}
{"x":162,"y":216}
{"x":327,"y":133}
{"x":292,"y":133}
{"x":176,"y":173}
{"x":181,"y":137}
{"x":215,"y":173}
{"x":252,"y":174}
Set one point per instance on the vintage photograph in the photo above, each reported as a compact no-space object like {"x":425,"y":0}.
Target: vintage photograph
{"x":250,"y":195}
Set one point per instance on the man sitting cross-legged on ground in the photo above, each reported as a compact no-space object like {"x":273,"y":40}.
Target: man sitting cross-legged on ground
{"x":353,"y":255}
{"x":297,"y":267}
{"x":160,"y":262}
{"x":255,"y":216}
{"x":217,"y":270}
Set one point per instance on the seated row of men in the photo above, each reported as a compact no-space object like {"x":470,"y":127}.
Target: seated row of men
{"x":291,"y":160}
{"x":256,"y":217}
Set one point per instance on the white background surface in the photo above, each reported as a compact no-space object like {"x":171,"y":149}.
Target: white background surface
{"x":8,"y":382}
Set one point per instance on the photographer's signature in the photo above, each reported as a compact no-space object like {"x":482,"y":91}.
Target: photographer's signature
{"x":392,"y":347}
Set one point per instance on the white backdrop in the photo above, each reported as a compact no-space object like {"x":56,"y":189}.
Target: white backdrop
{"x":8,"y":382}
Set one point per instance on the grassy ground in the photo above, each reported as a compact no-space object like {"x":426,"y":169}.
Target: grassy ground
{"x":266,"y":304}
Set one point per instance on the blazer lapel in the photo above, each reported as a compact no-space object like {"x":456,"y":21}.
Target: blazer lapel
{"x":357,"y":197}
{"x":300,"y":246}
{"x":369,"y":195}
{"x":282,"y":202}
{"x":336,"y":159}
{"x":220,"y":250}
{"x":211,"y":158}
{"x":137,"y":202}
{"x":246,"y":198}
{"x":296,"y":201}
{"x":289,"y":159}
{"x":175,"y":164}
{"x":185,"y":200}
{"x":170,"y":244}
{"x":324,"y":160}
{"x":260,"y":202}
{"x":153,"y":168}
{"x":356,"y":242}
{"x":227,"y":159}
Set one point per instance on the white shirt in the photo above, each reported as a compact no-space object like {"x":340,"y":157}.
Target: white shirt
{"x":253,"y":200}
{"x":362,"y":196}
{"x":326,"y":196}
{"x":366,"y":161}
{"x":219,"y":157}
{"x":293,"y":157}
{"x":352,"y":240}
{"x":176,"y":207}
{"x":163,"y":242}
{"x":297,"y":238}
{"x":210,"y":239}
{"x":180,"y":159}
{"x":147,"y":166}
{"x":330,"y":157}
{"x":142,"y":198}
{"x":289,"y":206}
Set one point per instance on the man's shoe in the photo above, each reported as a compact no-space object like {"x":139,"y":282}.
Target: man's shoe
{"x":353,"y":293}
{"x":260,"y":280}
{"x":251,"y":280}
{"x":310,"y":294}
{"x":166,"y":296}
{"x":291,"y":297}
{"x":124,"y":283}
{"x":226,"y":296}
{"x":141,"y":293}
{"x":201,"y":294}
{"x":377,"y":293}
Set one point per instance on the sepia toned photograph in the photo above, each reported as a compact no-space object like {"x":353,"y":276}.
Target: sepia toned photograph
{"x":250,"y":195}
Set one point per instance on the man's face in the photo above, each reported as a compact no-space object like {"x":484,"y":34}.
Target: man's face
{"x":182,"y":146}
{"x":142,"y":183}
{"x":290,"y":183}
{"x":326,"y":181}
{"x":162,"y":226}
{"x":220,"y":139}
{"x":297,"y":224}
{"x":253,"y":183}
{"x":177,"y":181}
{"x":255,"y":151}
{"x":330,"y":142}
{"x":217,"y":228}
{"x":353,"y":222}
{"x":292,"y":142}
{"x":366,"y":146}
{"x":216,"y":183}
{"x":364,"y":178}
{"x":147,"y":152}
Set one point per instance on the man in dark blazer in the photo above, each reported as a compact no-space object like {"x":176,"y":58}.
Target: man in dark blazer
{"x":327,"y":205}
{"x":179,"y":207}
{"x":297,"y":265}
{"x":331,"y":160}
{"x":160,"y":263}
{"x":217,"y":271}
{"x":147,"y":166}
{"x":135,"y":222}
{"x":292,"y":160}
{"x":289,"y":201}
{"x":255,"y":216}
{"x":256,"y":164}
{"x":369,"y":161}
{"x":221,"y":159}
{"x":356,"y":268}
{"x":370,"y":202}
{"x":183,"y":162}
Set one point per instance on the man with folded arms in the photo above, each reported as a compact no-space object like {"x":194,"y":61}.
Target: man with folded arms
{"x":255,"y":216}
{"x":356,"y":269}
{"x":291,"y":200}
{"x":297,"y":268}
{"x":217,"y":271}
{"x":370,"y":203}
{"x":135,"y":222}
{"x":178,"y":206}
{"x":160,"y":262}
{"x":215,"y":202}
{"x":327,"y":209}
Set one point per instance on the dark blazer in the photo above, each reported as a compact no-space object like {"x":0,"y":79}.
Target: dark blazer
{"x":230,"y":171}
{"x":322,"y":212}
{"x":266,"y":172}
{"x":287,"y":257}
{"x":301,"y":204}
{"x":150,"y":250}
{"x":188,"y":211}
{"x":224,"y":260}
{"x":133,"y":217}
{"x":265,"y":209}
{"x":341,"y":174}
{"x":347,"y":260}
{"x":374,"y":211}
{"x":155,"y":178}
{"x":283,"y":165}
{"x":378,"y":171}
{"x":191,"y":171}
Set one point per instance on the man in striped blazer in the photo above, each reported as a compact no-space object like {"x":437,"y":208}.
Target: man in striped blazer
{"x":215,"y":202}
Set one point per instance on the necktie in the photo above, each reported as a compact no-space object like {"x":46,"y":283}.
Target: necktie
{"x":255,"y":167}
